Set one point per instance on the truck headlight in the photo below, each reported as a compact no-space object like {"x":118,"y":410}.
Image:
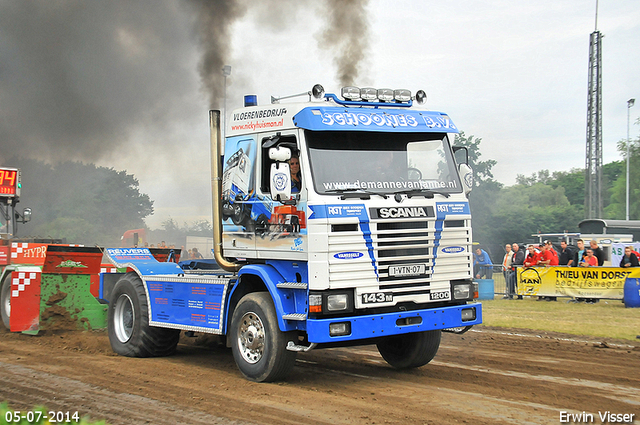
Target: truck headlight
{"x":337,"y":302}
{"x":462,"y":292}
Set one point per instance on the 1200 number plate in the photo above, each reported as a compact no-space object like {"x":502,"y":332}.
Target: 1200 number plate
{"x":377,"y":297}
{"x":440,"y":295}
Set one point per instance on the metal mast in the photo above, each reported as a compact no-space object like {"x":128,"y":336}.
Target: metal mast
{"x":593,"y":165}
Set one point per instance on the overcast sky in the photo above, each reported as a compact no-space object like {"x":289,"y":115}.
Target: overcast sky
{"x":125,"y":84}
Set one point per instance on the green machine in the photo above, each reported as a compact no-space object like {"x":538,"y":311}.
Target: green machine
{"x":57,"y":291}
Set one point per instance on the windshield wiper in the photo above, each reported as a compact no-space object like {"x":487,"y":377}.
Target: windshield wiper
{"x":355,"y":193}
{"x":427,"y":193}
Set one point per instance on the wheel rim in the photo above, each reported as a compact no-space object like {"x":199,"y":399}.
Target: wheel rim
{"x":251,"y":337}
{"x":124,"y":317}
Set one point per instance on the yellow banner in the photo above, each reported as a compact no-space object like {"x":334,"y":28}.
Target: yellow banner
{"x":576,"y":282}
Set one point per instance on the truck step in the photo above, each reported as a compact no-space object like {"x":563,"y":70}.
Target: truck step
{"x":292,"y":346}
{"x":292,"y":285}
{"x":295,"y":316}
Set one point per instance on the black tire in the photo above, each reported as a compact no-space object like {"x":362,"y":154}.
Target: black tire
{"x":410,"y":350}
{"x":5,"y":300}
{"x":128,"y":322}
{"x":258,"y":345}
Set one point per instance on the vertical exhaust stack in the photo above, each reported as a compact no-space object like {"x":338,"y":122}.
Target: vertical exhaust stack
{"x":216,"y":189}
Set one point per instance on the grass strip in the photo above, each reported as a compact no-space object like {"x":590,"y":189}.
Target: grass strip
{"x":607,"y":318}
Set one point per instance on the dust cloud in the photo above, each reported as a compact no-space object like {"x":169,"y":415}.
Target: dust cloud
{"x":127,"y":84}
{"x":347,"y":33}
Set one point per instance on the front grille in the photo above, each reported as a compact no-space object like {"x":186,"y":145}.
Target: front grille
{"x":403,"y":252}
{"x":402,"y":225}
{"x":396,"y":243}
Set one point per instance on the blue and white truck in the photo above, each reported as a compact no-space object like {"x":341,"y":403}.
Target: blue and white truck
{"x":380,"y":252}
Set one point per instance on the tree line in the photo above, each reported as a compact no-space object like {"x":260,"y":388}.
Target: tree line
{"x":82,"y":203}
{"x":90,"y":205}
{"x":544,"y":202}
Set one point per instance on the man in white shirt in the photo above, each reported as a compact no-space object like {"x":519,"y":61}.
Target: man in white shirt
{"x":506,"y":271}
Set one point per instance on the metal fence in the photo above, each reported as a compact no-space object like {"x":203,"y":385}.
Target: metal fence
{"x":499,"y":280}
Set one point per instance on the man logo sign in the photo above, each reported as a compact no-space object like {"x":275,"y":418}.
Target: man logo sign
{"x":530,"y":281}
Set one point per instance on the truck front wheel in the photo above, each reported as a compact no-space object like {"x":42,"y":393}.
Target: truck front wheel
{"x":258,"y":345}
{"x":5,"y":300}
{"x":410,"y":350}
{"x":128,"y":322}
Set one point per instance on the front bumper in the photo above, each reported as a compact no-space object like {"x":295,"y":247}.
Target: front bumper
{"x":380,"y":325}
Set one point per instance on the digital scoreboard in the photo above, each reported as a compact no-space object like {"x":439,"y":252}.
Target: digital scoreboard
{"x":9,"y":182}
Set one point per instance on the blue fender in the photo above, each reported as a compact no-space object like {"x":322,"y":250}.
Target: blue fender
{"x":141,"y":260}
{"x":283,"y":299}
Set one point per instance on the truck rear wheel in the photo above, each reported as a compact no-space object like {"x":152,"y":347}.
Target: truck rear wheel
{"x":128,"y":323}
{"x":5,"y":300}
{"x":410,"y":350}
{"x":258,"y":345}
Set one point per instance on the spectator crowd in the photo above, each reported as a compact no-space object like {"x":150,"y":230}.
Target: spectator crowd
{"x":544,"y":255}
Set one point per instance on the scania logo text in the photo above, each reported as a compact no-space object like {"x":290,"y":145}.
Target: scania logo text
{"x":395,"y":212}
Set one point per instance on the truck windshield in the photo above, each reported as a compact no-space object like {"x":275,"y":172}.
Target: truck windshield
{"x":381,"y":162}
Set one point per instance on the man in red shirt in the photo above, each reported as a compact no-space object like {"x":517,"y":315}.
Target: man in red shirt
{"x":556,"y":258}
{"x":549,"y":256}
{"x":590,"y":260}
{"x":545,"y":256}
{"x":532,"y":258}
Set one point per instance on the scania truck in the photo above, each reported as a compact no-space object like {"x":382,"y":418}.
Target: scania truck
{"x":373,"y":248}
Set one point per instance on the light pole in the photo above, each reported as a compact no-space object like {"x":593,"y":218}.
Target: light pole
{"x":226,"y":71}
{"x":630,"y":103}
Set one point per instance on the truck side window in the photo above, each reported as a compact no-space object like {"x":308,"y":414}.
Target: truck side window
{"x":288,"y":141}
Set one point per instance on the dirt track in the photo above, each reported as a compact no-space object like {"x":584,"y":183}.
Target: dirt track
{"x":487,"y":376}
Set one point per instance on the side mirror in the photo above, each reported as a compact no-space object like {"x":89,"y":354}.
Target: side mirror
{"x":461,"y":154}
{"x":280,"y":154}
{"x":280,"y":173}
{"x":466,"y":175}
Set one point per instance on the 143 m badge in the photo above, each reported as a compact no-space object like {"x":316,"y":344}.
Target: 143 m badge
{"x":377,"y":297}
